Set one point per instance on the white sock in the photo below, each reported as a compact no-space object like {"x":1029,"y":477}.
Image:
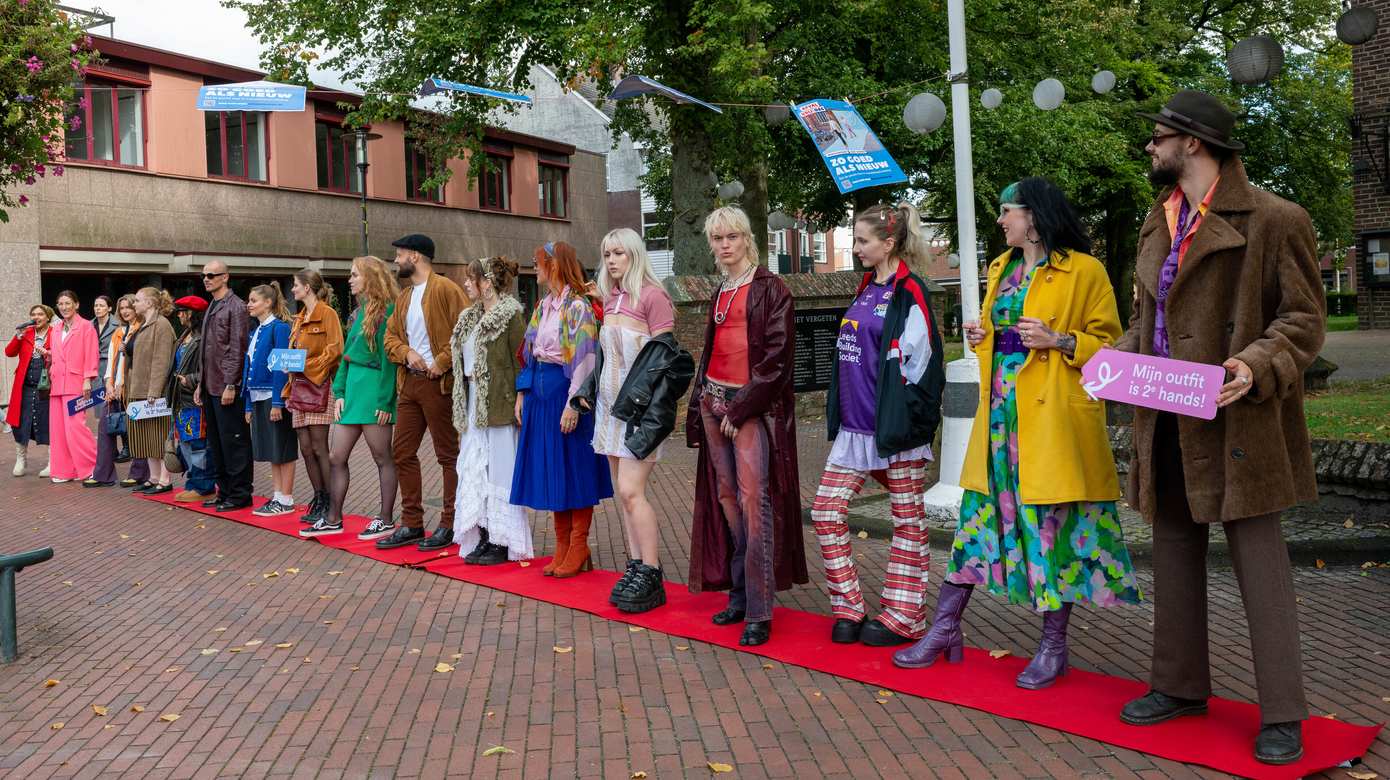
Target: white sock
{"x":287,"y":500}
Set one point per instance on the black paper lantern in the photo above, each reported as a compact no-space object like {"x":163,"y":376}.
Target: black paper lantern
{"x":1255,"y":60}
{"x":1357,"y":25}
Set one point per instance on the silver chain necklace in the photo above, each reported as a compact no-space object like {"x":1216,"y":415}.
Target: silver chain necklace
{"x":720,"y":316}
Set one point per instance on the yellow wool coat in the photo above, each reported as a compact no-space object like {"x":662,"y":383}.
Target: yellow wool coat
{"x":1063,"y":449}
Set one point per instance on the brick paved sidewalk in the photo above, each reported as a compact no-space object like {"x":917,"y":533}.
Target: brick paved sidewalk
{"x":137,"y":596}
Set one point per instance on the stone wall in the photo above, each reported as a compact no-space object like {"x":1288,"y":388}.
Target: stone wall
{"x":692,"y":296}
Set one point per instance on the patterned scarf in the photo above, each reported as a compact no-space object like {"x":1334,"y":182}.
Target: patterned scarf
{"x":578,"y":330}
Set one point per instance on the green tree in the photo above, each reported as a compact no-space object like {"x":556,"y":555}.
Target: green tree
{"x":41,"y":53}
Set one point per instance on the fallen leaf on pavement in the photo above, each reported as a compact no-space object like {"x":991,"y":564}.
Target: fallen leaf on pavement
{"x":50,"y":683}
{"x":99,"y":710}
{"x":169,"y":717}
{"x":209,"y":651}
{"x":328,"y":622}
{"x":682,"y":647}
{"x":863,"y":534}
{"x":490,"y":713}
{"x":885,"y":694}
{"x":442,"y":667}
{"x":524,"y":564}
{"x":219,"y":630}
{"x":881,"y":701}
{"x":213,"y":571}
{"x":268,"y":575}
{"x":1361,"y":775}
{"x":285,"y":645}
{"x":57,"y":725}
{"x":253,"y":642}
{"x":817,"y":694}
{"x":125,"y":536}
{"x":497,"y":750}
{"x":560,"y":649}
{"x":137,"y":708}
{"x":998,"y":653}
{"x":291,"y":571}
{"x":638,"y":775}
{"x":334,"y":573}
{"x":456,"y":656}
{"x":1321,"y":564}
{"x":171,"y":669}
{"x":636,"y":629}
{"x":717,"y":768}
{"x":68,"y":583}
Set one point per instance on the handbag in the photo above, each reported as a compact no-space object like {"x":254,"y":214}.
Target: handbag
{"x":113,"y":423}
{"x":172,"y":461}
{"x":305,"y":396}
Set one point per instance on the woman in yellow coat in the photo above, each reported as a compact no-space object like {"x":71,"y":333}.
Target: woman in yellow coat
{"x":1038,"y":523}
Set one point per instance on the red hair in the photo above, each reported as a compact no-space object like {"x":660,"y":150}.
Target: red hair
{"x":561,"y":264}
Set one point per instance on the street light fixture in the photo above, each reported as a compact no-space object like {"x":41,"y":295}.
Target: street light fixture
{"x":362,"y":138}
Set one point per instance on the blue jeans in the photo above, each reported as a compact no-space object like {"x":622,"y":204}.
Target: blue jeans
{"x":199,"y":476}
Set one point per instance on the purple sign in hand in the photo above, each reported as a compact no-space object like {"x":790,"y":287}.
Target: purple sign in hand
{"x":1168,"y":385}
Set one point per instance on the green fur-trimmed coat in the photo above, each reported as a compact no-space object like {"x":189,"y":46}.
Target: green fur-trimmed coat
{"x":501,"y":332}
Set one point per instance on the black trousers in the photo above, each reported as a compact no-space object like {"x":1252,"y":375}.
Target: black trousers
{"x":229,"y":444}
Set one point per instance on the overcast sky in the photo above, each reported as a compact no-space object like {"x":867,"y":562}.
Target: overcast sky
{"x":200,"y":28}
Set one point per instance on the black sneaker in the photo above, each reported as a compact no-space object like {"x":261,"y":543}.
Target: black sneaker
{"x":401,"y":537}
{"x":318,"y":508}
{"x":441,"y":538}
{"x":647,"y":591}
{"x":273,"y":508}
{"x":322,"y":527}
{"x":625,"y":581}
{"x":376,"y":529}
{"x":493,"y":555}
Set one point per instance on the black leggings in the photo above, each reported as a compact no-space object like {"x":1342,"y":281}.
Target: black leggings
{"x":379,"y":442}
{"x":313,"y":446}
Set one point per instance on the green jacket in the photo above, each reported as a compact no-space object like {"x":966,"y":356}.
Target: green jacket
{"x":500,"y":333}
{"x":356,"y":353}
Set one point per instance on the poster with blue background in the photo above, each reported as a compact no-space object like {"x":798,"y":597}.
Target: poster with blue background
{"x":853,"y":154}
{"x":251,"y":96}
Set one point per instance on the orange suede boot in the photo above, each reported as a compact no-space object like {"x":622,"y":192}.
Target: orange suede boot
{"x":563,"y":522}
{"x":577,"y":557}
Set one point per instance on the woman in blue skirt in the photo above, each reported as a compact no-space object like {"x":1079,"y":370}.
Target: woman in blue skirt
{"x":556,"y":468}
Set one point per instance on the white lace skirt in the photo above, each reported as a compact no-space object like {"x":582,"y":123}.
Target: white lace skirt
{"x":620,"y":349}
{"x":485,"y":461}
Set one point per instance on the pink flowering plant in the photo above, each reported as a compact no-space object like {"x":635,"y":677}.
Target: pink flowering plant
{"x":42,"y":54}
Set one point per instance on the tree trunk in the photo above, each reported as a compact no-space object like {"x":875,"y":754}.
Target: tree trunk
{"x":753,"y":174}
{"x":1121,"y":237}
{"x":692,"y":192}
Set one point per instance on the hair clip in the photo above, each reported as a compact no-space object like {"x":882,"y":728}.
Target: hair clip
{"x":549,"y":248}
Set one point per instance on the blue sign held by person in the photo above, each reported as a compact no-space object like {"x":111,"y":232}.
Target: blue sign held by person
{"x":78,"y":404}
{"x":853,"y":154}
{"x":251,"y":96}
{"x":287,"y":360}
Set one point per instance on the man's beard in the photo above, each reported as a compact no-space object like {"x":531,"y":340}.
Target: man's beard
{"x":1166,"y":174}
{"x":405,"y":271}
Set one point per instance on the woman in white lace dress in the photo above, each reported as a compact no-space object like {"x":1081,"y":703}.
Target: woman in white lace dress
{"x":635,"y":309}
{"x":486,"y":341}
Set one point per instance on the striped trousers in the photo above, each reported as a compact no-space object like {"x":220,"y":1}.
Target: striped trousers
{"x":903,"y":606}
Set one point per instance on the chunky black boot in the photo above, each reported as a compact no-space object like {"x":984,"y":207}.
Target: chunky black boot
{"x":647,"y":591}
{"x":477,"y":552}
{"x":493,"y":555}
{"x":624,"y":582}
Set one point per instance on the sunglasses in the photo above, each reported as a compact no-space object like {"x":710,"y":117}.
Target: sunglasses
{"x":1157,"y":139}
{"x":214,"y":276}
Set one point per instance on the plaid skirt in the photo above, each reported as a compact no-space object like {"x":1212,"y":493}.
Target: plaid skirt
{"x":303,"y":419}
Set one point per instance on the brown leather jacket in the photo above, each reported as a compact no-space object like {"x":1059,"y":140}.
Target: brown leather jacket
{"x":226,"y":328}
{"x":443,"y":302}
{"x":320,"y":335}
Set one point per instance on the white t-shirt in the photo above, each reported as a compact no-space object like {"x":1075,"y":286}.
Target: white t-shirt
{"x":415,"y":328}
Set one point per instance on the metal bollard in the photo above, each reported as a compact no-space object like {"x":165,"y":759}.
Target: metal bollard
{"x":9,"y":565}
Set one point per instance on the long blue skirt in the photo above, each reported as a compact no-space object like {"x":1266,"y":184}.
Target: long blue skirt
{"x":556,"y":472}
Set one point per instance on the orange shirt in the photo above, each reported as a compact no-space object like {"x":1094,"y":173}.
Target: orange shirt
{"x":728,"y":360}
{"x":1173,"y":205}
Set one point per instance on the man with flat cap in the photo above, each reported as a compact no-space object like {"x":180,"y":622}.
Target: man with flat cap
{"x":1227,"y":274}
{"x":417,"y":341}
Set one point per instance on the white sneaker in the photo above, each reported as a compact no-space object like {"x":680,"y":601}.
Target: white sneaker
{"x":44,"y":473}
{"x":60,"y":480}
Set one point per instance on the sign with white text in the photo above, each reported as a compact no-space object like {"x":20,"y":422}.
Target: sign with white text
{"x":853,"y":154}
{"x":80,"y":404}
{"x":144,"y":410}
{"x":1168,"y":385}
{"x":287,"y":360}
{"x":251,"y":96}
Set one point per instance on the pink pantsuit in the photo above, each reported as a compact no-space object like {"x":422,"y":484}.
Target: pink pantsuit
{"x":72,"y":360}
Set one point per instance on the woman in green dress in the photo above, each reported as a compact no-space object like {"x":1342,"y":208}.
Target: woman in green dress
{"x":1038,"y":522}
{"x":365,"y":393}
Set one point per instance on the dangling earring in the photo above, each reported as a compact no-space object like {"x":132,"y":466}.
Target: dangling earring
{"x":1028,"y":236}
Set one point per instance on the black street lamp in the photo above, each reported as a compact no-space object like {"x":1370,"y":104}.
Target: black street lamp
{"x":362,"y":138}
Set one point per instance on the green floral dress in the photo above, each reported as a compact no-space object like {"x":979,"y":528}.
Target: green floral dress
{"x":1037,"y":555}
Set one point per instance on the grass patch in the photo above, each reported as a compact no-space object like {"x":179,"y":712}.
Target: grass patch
{"x":1342,"y":322}
{"x":1358,"y":411}
{"x":953,"y":350}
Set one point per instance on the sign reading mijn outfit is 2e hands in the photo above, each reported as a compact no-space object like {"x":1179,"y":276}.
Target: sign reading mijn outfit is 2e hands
{"x":1168,"y":385}
{"x":287,"y":360}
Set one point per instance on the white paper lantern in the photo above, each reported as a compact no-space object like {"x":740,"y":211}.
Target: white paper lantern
{"x":1049,"y":94}
{"x":924,"y":113}
{"x":1103,"y":82}
{"x":953,"y":260}
{"x":1255,"y":60}
{"x":730,"y":190}
{"x":779,"y":221}
{"x":1357,"y":25}
{"x":776,"y":115}
{"x":991,"y":98}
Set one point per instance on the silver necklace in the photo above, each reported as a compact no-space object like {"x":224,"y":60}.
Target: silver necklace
{"x":719,"y":316}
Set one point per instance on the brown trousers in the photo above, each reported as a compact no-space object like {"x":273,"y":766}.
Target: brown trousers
{"x":420,"y":407}
{"x":1261,"y":559}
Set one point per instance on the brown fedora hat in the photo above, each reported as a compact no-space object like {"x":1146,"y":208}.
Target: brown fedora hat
{"x":1199,"y":115}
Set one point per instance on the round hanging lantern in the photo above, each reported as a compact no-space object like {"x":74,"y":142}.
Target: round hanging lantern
{"x":1255,"y":60}
{"x":776,"y":115}
{"x":730,"y":190}
{"x":991,"y":98}
{"x":779,"y":221}
{"x":924,"y":113}
{"x":1357,"y":25}
{"x":1048,"y":94}
{"x":953,"y":260}
{"x":1103,"y":82}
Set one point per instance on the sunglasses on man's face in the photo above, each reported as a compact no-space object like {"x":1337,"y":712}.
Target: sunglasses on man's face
{"x":213,"y":276}
{"x":1157,"y":139}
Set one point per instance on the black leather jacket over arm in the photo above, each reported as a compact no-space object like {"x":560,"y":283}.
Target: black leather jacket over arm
{"x":650,"y":394}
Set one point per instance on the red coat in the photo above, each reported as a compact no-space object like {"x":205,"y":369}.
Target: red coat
{"x":21,"y":346}
{"x":768,"y":394}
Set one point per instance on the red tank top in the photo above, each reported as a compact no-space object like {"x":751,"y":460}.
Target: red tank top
{"x":728,"y":360}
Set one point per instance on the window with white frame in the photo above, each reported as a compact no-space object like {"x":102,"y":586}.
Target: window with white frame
{"x":818,"y":247}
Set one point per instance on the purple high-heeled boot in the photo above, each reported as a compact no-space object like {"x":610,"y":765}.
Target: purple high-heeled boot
{"x":1051,"y":660}
{"x":945,"y":634}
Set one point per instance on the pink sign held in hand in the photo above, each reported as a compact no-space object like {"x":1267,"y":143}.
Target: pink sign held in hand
{"x":1168,"y":385}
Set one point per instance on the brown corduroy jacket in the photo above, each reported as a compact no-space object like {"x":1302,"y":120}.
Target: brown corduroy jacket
{"x":320,"y":335}
{"x":147,"y":375}
{"x":443,"y":301}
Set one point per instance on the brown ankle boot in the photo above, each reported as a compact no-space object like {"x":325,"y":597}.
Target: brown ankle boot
{"x":577,"y":557}
{"x":563,"y":523}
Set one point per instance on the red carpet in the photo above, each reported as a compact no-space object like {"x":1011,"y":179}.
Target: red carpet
{"x":1082,"y":703}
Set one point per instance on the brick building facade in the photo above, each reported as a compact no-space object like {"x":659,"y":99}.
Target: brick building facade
{"x":1371,"y":163}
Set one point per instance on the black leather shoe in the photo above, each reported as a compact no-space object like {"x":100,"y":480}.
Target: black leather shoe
{"x":493,"y":555}
{"x":130,"y":483}
{"x":473,"y":555}
{"x":441,"y":538}
{"x":1154,"y":707}
{"x":846,"y":631}
{"x":158,"y":489}
{"x":212,"y":502}
{"x":757,"y":633}
{"x":230,"y":506}
{"x":143,"y":487}
{"x":727,"y":616}
{"x":875,"y":634}
{"x":93,"y":483}
{"x":1279,"y":743}
{"x":400,"y":537}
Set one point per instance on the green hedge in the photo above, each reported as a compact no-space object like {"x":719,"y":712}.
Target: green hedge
{"x":1341,"y":304}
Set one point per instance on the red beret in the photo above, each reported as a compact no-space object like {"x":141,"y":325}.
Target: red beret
{"x":191,"y":302}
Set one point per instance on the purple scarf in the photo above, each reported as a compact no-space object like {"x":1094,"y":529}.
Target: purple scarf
{"x":1166,"y":275}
